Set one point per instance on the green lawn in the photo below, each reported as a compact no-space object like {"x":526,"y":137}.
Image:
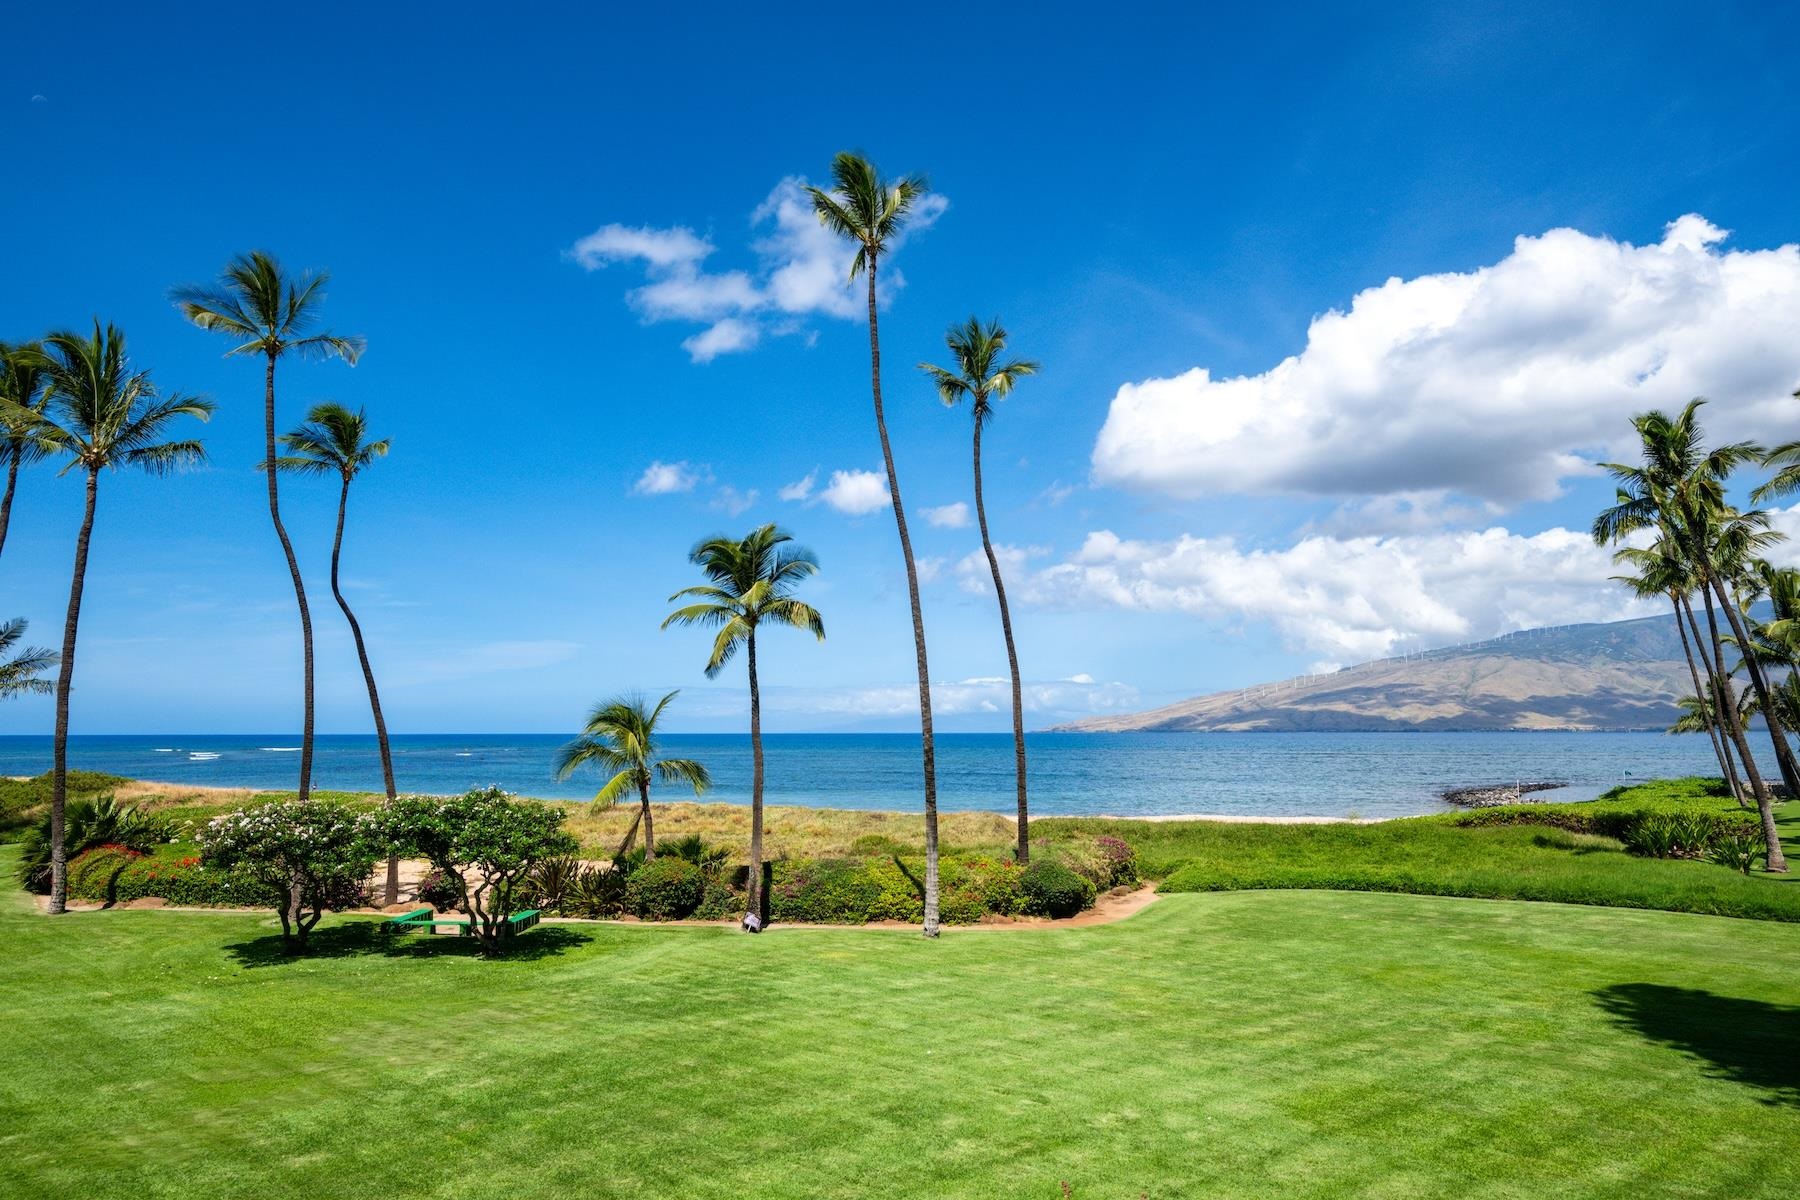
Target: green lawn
{"x":1267,"y":1043}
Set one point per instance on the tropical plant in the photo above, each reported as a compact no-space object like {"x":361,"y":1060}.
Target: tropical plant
{"x":870,"y":211}
{"x":24,"y":389}
{"x":487,"y":842}
{"x":313,"y":854}
{"x":87,"y":823}
{"x":981,"y":377}
{"x":19,"y":674}
{"x":752,"y":582}
{"x":620,"y":737}
{"x":693,"y":848}
{"x":266,"y":311}
{"x":334,"y":443}
{"x":1677,"y":491}
{"x":101,"y":416}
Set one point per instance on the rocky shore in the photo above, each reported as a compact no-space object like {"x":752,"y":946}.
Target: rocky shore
{"x":1492,"y":796}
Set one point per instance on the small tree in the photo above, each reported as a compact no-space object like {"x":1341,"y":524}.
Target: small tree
{"x":486,"y":843}
{"x":315,"y":854}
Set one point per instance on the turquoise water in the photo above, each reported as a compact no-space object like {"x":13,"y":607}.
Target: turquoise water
{"x":1250,"y":774}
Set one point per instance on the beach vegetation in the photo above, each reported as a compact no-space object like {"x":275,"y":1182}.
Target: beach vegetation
{"x":311,"y":855}
{"x":620,"y":739}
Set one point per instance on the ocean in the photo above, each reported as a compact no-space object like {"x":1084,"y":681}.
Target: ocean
{"x":1146,"y":774}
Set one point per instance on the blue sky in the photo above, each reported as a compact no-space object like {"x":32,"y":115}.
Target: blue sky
{"x":1140,"y":200}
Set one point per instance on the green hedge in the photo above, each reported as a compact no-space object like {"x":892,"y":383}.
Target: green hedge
{"x":667,"y":889}
{"x":114,"y":875}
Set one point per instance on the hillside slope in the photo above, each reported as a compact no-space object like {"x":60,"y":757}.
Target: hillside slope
{"x":1613,"y":676}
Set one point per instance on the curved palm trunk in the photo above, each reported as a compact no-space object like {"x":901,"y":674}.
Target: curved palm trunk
{"x":644,"y":812}
{"x":918,"y":621}
{"x":1764,"y":809}
{"x":1712,"y":732}
{"x":753,"y":883}
{"x":392,"y":888}
{"x":1022,"y":851}
{"x":1718,"y":704}
{"x":59,"y":778}
{"x":1777,"y":861}
{"x":287,"y":548}
{"x":12,"y":485}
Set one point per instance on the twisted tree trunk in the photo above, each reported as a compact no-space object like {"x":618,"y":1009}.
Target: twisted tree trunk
{"x":59,"y":776}
{"x":293,"y":564}
{"x":928,"y":744}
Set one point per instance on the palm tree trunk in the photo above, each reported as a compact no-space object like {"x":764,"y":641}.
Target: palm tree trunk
{"x":918,"y":621}
{"x":644,"y":810}
{"x":287,"y":548}
{"x":1777,"y":861}
{"x":1717,"y":700}
{"x":1022,"y":851}
{"x":59,"y":778}
{"x":12,"y":485}
{"x":1765,"y":810}
{"x":1765,"y":697}
{"x":1712,"y":732}
{"x":753,"y":882}
{"x":392,"y":888}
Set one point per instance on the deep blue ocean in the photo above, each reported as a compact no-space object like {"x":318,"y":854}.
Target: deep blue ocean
{"x":1262,"y":774}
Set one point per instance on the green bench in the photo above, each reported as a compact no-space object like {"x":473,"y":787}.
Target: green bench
{"x":425,"y":919}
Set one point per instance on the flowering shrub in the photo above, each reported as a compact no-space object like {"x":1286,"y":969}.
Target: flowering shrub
{"x":115,"y":874}
{"x":665,"y":889}
{"x":313,"y":856}
{"x":439,"y":890}
{"x":1053,"y":890}
{"x":1119,"y":856}
{"x":486,"y":842}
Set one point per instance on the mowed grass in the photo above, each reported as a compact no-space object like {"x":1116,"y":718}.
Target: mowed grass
{"x":1303,"y":1044}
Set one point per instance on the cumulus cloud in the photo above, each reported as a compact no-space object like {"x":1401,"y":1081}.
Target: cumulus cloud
{"x":1497,"y":383}
{"x":1352,"y":599}
{"x":802,"y":270}
{"x":973,"y":574}
{"x":949,"y":516}
{"x":730,"y":500}
{"x":1060,"y":698}
{"x":856,"y":493}
{"x":663,"y":479}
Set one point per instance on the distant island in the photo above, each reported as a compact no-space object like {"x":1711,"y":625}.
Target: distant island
{"x":1612,"y":676}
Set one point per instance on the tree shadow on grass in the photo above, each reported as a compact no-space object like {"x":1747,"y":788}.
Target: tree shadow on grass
{"x":1745,"y":1041}
{"x":357,"y":938}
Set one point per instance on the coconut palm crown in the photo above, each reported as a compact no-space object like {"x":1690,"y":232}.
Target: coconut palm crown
{"x":620,"y":737}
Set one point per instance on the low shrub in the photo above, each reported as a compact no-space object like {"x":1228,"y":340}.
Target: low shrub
{"x":596,"y":892}
{"x":86,"y":824}
{"x":719,"y":901}
{"x":972,"y":888}
{"x":438,"y":889}
{"x":665,"y":889}
{"x":1738,"y":850}
{"x":1121,"y":858}
{"x":1682,"y":835}
{"x":113,"y":874}
{"x":1053,"y":890}
{"x":823,"y":891}
{"x":547,"y":888}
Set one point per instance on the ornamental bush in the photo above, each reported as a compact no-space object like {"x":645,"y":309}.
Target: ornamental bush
{"x":311,"y":856}
{"x":114,"y":874}
{"x":665,"y":889}
{"x":1053,"y":890}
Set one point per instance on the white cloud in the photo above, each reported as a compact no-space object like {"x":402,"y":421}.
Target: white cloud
{"x":949,"y":516}
{"x":727,"y":337}
{"x":803,"y":270}
{"x":1497,"y":383}
{"x":660,"y":249}
{"x":800,"y":489}
{"x":973,"y":573}
{"x":1353,"y":598}
{"x":662,"y":479}
{"x":857,"y":493}
{"x":730,"y":500}
{"x":949,"y":698}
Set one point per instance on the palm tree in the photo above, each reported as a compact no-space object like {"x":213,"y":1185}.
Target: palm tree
{"x":333,"y":442}
{"x":870,"y":211}
{"x":1786,"y":481}
{"x":23,"y":388}
{"x":982,"y":378}
{"x":1679,"y":491}
{"x":19,"y":674}
{"x":620,"y":736}
{"x":102,"y":415}
{"x":268,"y":312}
{"x":752,"y":580}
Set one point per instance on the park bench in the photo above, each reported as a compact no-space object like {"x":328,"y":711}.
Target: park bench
{"x":424,"y":919}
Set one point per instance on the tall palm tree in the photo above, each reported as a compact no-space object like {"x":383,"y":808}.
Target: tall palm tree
{"x":334,"y":442}
{"x":870,"y":211}
{"x":752,"y":582}
{"x":1785,"y":458}
{"x":620,"y":736}
{"x":23,"y":386}
{"x":102,"y":415}
{"x":266,"y":311}
{"x":982,"y":378}
{"x":19,"y":674}
{"x":1678,"y":490}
